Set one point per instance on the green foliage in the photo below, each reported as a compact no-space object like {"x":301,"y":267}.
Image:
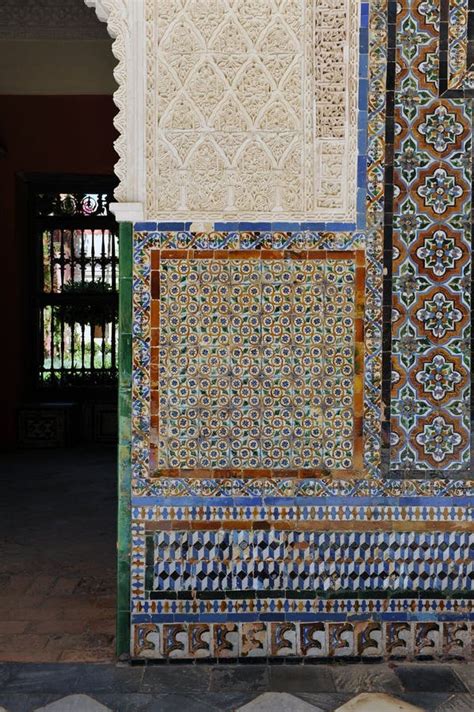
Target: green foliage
{"x":86,"y":308}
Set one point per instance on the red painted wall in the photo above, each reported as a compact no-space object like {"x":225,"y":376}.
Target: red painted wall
{"x":42,"y":134}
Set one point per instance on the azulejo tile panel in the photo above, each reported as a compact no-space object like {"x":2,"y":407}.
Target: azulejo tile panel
{"x":260,"y":360}
{"x":295,"y":560}
{"x":431,"y":239}
{"x":263,"y":521}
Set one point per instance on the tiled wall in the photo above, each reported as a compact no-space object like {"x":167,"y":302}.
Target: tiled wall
{"x":265,"y":521}
{"x":430,"y":226}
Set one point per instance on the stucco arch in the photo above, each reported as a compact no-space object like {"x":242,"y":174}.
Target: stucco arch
{"x":126,"y":21}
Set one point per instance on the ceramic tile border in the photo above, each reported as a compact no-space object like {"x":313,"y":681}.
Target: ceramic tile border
{"x":171,"y":606}
{"x":124,"y":436}
{"x":456,"y":51}
{"x":372,"y":513}
{"x":418,"y":347}
{"x":294,"y":487}
{"x":367,"y":639}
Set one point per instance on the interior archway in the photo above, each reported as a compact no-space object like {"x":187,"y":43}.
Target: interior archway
{"x":58,"y":474}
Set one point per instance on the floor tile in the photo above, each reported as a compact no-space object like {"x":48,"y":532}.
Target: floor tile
{"x":170,"y":678}
{"x":6,"y":673}
{"x":253,"y":678}
{"x":110,"y":678}
{"x":365,"y":678}
{"x":429,"y":678}
{"x":429,"y":701}
{"x":197,"y":703}
{"x":225,"y":701}
{"x":295,"y":679}
{"x":44,"y":678}
{"x":125,"y":702}
{"x":26,"y":703}
{"x":466,"y":672}
{"x":457,"y":703}
{"x":75,"y":703}
{"x":326,"y":701}
{"x":377,"y":702}
{"x":278,"y":702}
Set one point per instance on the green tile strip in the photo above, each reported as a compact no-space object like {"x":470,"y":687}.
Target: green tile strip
{"x":124,"y":453}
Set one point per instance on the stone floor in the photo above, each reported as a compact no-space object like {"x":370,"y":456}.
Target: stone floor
{"x":368,"y":687}
{"x":57,"y":555}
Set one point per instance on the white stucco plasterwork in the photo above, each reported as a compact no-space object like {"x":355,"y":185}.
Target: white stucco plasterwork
{"x":125,"y":24}
{"x":236,"y":109}
{"x":251,"y":109}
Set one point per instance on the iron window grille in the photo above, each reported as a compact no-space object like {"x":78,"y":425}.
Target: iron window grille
{"x":76,"y":283}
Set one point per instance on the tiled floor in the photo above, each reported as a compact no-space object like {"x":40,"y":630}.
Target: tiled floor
{"x":57,"y":555}
{"x":255,"y":688}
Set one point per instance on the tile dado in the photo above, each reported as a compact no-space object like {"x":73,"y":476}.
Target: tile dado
{"x":245,"y":606}
{"x":318,"y":513}
{"x":339,"y":639}
{"x":304,"y":560}
{"x":206,"y":485}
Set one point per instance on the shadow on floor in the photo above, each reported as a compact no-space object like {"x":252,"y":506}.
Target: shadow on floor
{"x":57,"y":555}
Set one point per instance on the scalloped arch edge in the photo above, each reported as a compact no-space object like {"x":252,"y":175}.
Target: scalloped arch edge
{"x":126,"y":25}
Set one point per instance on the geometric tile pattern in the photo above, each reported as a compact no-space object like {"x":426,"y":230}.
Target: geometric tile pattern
{"x":277,"y":702}
{"x":298,"y":560}
{"x":225,"y":489}
{"x":296,"y":606}
{"x":74,"y":703}
{"x":456,"y":70}
{"x":257,"y":360}
{"x":431,"y":244}
{"x":318,"y":513}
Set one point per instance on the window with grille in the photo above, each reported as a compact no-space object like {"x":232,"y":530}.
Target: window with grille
{"x":76,"y":282}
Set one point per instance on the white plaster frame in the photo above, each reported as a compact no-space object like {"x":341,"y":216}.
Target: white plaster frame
{"x":125,"y":21}
{"x":126,"y":24}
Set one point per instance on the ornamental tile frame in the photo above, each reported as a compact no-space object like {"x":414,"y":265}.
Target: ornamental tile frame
{"x":430,"y":225}
{"x":374,"y":558}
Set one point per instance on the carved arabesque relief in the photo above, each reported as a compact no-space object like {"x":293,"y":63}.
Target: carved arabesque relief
{"x":251,"y":109}
{"x":125,"y":25}
{"x":236,"y":109}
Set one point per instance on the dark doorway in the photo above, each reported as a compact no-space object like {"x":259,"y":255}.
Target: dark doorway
{"x":58,"y":357}
{"x":72,"y":287}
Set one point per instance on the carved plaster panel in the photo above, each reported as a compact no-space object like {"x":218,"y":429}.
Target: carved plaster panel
{"x":236,"y":109}
{"x":125,"y":24}
{"x":251,"y":109}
